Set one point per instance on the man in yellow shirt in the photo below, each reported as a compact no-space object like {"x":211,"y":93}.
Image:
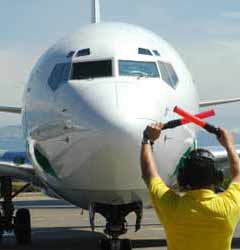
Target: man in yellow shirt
{"x":201,"y":219}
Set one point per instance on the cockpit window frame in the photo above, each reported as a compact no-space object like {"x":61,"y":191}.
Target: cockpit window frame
{"x":156,"y":53}
{"x":83,"y":52}
{"x":144,"y":51}
{"x":171,"y":82}
{"x":59,"y":75}
{"x":135,"y":60}
{"x":79,"y":60}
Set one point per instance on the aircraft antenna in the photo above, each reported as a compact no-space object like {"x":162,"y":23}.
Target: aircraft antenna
{"x":95,"y":11}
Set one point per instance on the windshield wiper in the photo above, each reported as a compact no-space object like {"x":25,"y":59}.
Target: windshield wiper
{"x":140,"y":74}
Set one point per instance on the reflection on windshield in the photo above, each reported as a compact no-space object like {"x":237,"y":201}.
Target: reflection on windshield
{"x":139,"y":69}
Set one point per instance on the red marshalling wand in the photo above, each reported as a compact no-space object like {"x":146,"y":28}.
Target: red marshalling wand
{"x":180,"y":122}
{"x":191,"y":118}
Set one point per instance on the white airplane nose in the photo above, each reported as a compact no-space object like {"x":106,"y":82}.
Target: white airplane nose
{"x":111,"y":118}
{"x":117,"y":104}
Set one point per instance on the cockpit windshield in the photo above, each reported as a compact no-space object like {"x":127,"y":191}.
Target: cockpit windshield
{"x":138,"y":68}
{"x":92,"y":69}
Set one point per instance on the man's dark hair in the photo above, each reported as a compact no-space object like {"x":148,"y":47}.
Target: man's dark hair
{"x":199,"y":170}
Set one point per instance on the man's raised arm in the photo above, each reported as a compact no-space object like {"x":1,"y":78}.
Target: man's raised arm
{"x":148,"y":165}
{"x":226,"y":140}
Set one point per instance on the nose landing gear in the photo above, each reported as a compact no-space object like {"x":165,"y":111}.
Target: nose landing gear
{"x":21,"y":222}
{"x":116,"y":223}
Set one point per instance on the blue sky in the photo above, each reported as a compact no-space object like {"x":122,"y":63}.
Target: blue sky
{"x":205,"y":33}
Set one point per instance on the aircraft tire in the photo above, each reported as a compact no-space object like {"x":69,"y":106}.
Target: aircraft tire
{"x":1,"y":229}
{"x":126,"y":244}
{"x":1,"y":235}
{"x":22,"y":227}
{"x":104,"y":244}
{"x":108,"y":244}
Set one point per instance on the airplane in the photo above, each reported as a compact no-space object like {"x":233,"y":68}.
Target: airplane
{"x":85,"y":106}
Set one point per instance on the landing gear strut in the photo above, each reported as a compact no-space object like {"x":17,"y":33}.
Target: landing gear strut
{"x":21,"y":222}
{"x":116,"y":223}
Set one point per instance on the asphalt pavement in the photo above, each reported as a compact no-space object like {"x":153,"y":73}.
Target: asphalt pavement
{"x":59,"y":225}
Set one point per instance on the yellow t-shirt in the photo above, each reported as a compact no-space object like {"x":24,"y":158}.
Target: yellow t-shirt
{"x":199,"y":220}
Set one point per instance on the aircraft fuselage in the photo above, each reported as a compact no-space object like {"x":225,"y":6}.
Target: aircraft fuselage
{"x":87,"y":102}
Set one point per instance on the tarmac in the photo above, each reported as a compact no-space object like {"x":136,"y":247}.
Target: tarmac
{"x":59,"y":225}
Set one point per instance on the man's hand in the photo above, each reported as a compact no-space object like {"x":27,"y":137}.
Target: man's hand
{"x":225,"y":138}
{"x":153,"y":131}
